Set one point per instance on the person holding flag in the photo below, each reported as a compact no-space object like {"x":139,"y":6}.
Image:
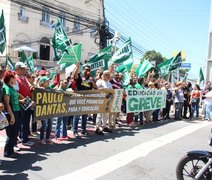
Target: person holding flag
{"x":83,"y":82}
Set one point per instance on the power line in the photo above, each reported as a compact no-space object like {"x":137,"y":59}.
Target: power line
{"x":150,"y":39}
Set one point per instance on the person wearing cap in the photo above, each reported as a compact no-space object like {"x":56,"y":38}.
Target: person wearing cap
{"x":42,"y":72}
{"x":83,"y":82}
{"x":23,"y":88}
{"x":46,"y":124}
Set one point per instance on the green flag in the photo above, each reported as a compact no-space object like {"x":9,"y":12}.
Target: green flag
{"x":122,"y":54}
{"x":2,"y":33}
{"x":124,"y":67}
{"x":201,"y":76}
{"x":165,"y":66}
{"x":9,"y":63}
{"x":106,"y":52}
{"x":30,"y":64}
{"x":143,"y":68}
{"x":99,"y":60}
{"x":60,"y":41}
{"x":72,"y":56}
{"x":126,"y":78}
{"x":176,"y":63}
{"x":23,"y":57}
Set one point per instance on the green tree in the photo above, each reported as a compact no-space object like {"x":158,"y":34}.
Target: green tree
{"x":153,"y":56}
{"x":182,"y":72}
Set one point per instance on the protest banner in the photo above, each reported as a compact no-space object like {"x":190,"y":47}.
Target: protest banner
{"x":140,"y":100}
{"x":51,"y":103}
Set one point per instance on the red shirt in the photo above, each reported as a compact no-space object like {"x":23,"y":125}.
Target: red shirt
{"x":24,"y":88}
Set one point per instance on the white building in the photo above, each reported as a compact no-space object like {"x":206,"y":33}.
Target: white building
{"x":209,"y":58}
{"x":31,"y":23}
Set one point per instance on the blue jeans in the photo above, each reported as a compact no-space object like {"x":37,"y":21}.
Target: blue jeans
{"x":25,"y":130}
{"x":76,"y":121}
{"x":178,"y":110}
{"x":46,"y":126}
{"x":58,"y":124}
{"x":34,"y":122}
{"x":208,"y":112}
{"x":156,"y":114}
{"x":195,"y":106}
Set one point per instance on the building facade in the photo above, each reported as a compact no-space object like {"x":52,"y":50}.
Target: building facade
{"x":209,"y":55}
{"x":31,"y":23}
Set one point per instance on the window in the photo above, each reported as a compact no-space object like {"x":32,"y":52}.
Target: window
{"x":22,"y":11}
{"x":44,"y":48}
{"x":45,"y":15}
{"x":76,"y":24}
{"x":22,"y":15}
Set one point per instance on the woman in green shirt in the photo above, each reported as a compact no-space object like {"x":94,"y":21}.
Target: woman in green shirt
{"x":11,"y":100}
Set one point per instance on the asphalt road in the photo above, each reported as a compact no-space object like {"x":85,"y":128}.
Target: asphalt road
{"x":147,"y":153}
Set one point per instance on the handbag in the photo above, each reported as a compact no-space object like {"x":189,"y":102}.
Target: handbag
{"x":3,"y":121}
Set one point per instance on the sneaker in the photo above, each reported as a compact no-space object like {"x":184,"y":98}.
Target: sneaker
{"x":106,"y":129}
{"x":49,"y":141}
{"x":84,"y":133}
{"x":118,"y":122}
{"x":43,"y":141}
{"x":75,"y":135}
{"x":99,"y":132}
{"x":28,"y":143}
{"x":34,"y":134}
{"x":16,"y":148}
{"x":185,"y":117}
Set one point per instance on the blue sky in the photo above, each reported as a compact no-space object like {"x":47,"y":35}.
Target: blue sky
{"x":166,"y":26}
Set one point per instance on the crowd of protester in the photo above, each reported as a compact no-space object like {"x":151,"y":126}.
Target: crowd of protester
{"x":181,"y":98}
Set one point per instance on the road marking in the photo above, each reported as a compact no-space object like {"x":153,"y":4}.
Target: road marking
{"x":112,"y":163}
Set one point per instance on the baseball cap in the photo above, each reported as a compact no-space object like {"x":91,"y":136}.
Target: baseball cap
{"x":43,"y":79}
{"x":20,"y":65}
{"x":42,"y":72}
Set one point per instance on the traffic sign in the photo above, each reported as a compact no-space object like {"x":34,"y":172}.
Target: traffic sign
{"x":185,"y":66}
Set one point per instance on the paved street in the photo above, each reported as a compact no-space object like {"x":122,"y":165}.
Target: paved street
{"x":146,"y":153}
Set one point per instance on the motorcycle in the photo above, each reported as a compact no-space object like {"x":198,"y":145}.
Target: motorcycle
{"x":196,"y":165}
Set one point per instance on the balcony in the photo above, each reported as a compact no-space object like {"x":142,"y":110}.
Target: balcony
{"x":44,"y":23}
{"x":23,"y":18}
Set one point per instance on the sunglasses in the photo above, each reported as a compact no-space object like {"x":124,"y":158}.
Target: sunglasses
{"x":87,"y":69}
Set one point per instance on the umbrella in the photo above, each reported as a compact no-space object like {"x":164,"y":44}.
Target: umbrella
{"x":25,"y":48}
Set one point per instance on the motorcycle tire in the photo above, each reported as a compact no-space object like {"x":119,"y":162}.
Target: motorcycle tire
{"x":187,"y":161}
